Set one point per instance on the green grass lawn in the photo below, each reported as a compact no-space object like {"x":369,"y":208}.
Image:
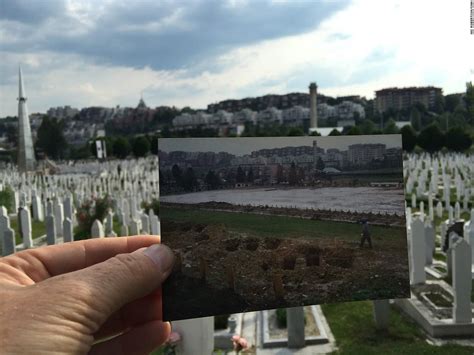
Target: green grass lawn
{"x":38,"y":229}
{"x":353,"y":327}
{"x":276,"y":226}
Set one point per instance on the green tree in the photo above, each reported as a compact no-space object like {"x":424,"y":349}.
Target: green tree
{"x":439,"y":104}
{"x":79,"y":153}
{"x":121,"y":148}
{"x":415,"y":118}
{"x":353,"y":131}
{"x":334,"y":132}
{"x":408,"y":138}
{"x":315,"y":133}
{"x":295,"y":131}
{"x":140,"y":146}
{"x":451,"y":102}
{"x":367,"y":126}
{"x":391,"y":127}
{"x":50,"y":138}
{"x":443,"y":121}
{"x":458,"y":140}
{"x":469,"y":101}
{"x":431,"y":138}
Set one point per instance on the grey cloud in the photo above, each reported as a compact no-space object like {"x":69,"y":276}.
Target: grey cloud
{"x":30,"y":11}
{"x":142,"y":34}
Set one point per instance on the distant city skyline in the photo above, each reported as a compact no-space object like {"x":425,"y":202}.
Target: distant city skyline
{"x":245,"y":146}
{"x":197,"y":53}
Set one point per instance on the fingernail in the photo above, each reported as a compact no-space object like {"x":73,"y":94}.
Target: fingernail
{"x":161,"y":255}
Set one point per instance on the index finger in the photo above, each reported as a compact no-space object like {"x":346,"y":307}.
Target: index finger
{"x":44,"y":262}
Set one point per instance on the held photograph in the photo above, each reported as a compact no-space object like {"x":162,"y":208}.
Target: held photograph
{"x":264,"y":223}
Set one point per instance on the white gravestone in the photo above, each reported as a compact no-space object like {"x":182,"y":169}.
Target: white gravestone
{"x":97,"y":229}
{"x":50,"y":230}
{"x":26,"y":229}
{"x":109,"y":223}
{"x":417,"y":252}
{"x":453,"y":238}
{"x":451,"y":214}
{"x":155,"y":225}
{"x":439,"y":209}
{"x":68,"y":234}
{"x":462,"y":282}
{"x":134,"y":227}
{"x":197,"y":336}
{"x":37,"y":209}
{"x":295,"y":326}
{"x":422,"y":210}
{"x":145,"y":223}
{"x":68,"y":207}
{"x":430,"y":207}
{"x":4,"y":224}
{"x":457,"y":211}
{"x":124,"y":231}
{"x":9,"y":243}
{"x":59,"y":217}
{"x":49,"y":208}
{"x":430,"y":235}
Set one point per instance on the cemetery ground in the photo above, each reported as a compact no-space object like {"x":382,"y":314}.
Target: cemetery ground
{"x":291,"y":261}
{"x":355,"y":332}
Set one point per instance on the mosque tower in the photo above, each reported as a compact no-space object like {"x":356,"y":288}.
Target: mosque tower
{"x":26,"y":154}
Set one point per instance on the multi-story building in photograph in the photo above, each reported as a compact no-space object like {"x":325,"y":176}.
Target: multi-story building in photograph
{"x":363,"y":154}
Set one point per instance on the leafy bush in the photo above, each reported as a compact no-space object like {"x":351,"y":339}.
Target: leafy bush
{"x":87,"y":214}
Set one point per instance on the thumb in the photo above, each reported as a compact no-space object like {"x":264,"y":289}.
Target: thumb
{"x":109,"y":285}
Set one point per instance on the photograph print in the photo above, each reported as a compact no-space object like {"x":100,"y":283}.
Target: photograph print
{"x":265,"y":223}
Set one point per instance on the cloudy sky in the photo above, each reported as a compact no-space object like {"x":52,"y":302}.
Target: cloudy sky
{"x":192,"y":53}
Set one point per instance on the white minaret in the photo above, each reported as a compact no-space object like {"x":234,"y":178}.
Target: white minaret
{"x":26,"y":154}
{"x":313,"y":123}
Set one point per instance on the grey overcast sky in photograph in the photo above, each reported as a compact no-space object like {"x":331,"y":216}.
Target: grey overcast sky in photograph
{"x":192,"y":53}
{"x":242,"y":146}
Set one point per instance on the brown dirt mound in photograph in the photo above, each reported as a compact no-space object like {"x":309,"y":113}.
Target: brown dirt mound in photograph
{"x":228,"y":272}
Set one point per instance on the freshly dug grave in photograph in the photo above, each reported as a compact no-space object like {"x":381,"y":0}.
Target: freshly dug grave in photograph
{"x":222,"y":271}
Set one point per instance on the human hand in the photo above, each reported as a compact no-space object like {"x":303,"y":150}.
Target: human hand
{"x":65,"y":298}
